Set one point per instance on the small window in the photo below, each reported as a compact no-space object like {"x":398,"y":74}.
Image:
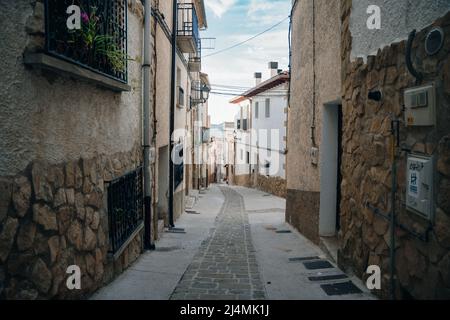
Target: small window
{"x":238,"y":124}
{"x":245,"y":124}
{"x":180,"y":97}
{"x":248,"y":157}
{"x":256,"y":110}
{"x":267,"y":108}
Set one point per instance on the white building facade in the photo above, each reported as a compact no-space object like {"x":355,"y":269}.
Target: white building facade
{"x":261,"y":133}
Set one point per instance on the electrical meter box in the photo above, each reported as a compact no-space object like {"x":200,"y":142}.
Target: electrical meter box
{"x":420,"y":105}
{"x":419,"y":193}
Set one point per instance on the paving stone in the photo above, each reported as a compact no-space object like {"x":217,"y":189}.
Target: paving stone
{"x":225,"y":265}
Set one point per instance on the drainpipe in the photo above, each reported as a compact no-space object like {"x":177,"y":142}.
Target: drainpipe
{"x":172,"y":110}
{"x":146,"y":70}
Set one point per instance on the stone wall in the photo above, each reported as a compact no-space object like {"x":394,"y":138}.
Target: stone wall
{"x":61,"y":140}
{"x":422,"y":267}
{"x":244,"y":180}
{"x":54,"y":216}
{"x":273,"y":185}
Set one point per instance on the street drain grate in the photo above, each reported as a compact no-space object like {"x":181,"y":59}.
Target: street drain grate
{"x":192,"y":212}
{"x":175,"y":230}
{"x":320,"y":264}
{"x":283,"y":231}
{"x":339,"y":289}
{"x":166,"y":249}
{"x":299,"y":259}
{"x":326,"y":278}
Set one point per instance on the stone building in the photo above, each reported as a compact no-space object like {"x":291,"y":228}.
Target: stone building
{"x":362,"y":145}
{"x":72,"y":140}
{"x":377,"y":62}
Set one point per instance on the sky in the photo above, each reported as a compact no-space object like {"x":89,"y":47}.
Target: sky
{"x":233,"y":21}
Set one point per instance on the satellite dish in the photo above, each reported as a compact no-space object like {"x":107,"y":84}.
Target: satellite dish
{"x":434,"y":41}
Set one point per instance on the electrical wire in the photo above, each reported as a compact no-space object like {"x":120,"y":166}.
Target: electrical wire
{"x":245,"y":41}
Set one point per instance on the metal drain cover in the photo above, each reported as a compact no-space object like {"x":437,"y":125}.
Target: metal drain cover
{"x":298,"y":259}
{"x":283,"y":231}
{"x":327,"y":278}
{"x":192,"y":212}
{"x":339,"y":289}
{"x":319,"y":264}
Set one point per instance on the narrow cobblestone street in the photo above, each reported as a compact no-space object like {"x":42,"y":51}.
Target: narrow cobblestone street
{"x":235,"y":246}
{"x":225,"y":266}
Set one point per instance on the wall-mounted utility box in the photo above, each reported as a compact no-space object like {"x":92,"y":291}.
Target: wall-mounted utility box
{"x":419,"y":192}
{"x":420,"y":105}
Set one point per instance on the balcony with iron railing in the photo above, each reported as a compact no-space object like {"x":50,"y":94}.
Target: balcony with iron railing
{"x":86,"y":39}
{"x":187,"y":28}
{"x":195,"y":59}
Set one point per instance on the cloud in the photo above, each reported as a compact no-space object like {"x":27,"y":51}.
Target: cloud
{"x":263,"y":12}
{"x":241,"y":65}
{"x":219,"y":7}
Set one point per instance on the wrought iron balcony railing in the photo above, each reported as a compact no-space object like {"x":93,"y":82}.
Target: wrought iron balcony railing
{"x":187,"y":28}
{"x":125,"y":208}
{"x":98,"y":43}
{"x":195,"y":59}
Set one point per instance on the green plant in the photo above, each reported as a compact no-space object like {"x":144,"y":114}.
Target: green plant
{"x":106,"y":46}
{"x":93,"y":44}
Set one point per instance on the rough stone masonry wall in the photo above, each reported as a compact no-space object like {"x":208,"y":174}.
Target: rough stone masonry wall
{"x":243,"y":180}
{"x":53,"y":210}
{"x":54,"y":216}
{"x":273,"y":185}
{"x":422,"y":268}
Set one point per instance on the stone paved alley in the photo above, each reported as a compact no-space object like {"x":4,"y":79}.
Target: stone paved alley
{"x":236,"y":246}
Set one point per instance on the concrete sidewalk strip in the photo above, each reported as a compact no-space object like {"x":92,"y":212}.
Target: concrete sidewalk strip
{"x":155,"y":274}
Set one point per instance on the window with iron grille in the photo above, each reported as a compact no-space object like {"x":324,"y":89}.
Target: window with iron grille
{"x":125,"y":208}
{"x":256,"y":110}
{"x":100,"y":45}
{"x":238,"y":124}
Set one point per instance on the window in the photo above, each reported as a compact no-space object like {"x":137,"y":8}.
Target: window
{"x":267,"y":108}
{"x":238,"y":124}
{"x":245,"y":124}
{"x":256,"y":110}
{"x":125,"y":208}
{"x":242,"y":154}
{"x":180,"y":97}
{"x":102,"y":49}
{"x":248,"y":157}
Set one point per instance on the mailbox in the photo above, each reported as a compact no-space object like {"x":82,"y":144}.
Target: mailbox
{"x":420,"y":180}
